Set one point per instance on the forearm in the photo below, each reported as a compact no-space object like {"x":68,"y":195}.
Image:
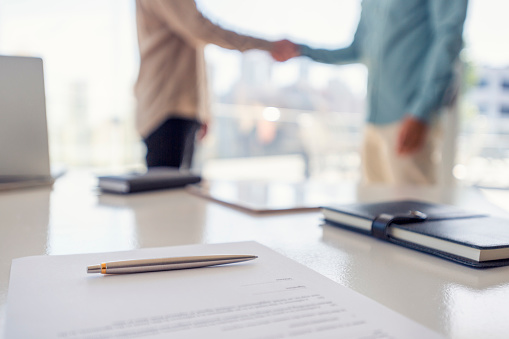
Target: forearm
{"x":214,"y":34}
{"x":338,"y":56}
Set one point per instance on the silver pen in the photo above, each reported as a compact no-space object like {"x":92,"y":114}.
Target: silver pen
{"x":165,"y":264}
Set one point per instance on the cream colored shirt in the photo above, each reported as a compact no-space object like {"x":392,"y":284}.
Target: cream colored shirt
{"x":172,"y":76}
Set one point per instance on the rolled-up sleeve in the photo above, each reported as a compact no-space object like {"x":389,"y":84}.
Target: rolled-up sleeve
{"x":338,"y":56}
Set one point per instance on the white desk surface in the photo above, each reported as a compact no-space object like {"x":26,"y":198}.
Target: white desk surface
{"x":72,"y":217}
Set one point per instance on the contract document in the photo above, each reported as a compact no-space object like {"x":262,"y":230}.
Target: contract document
{"x":270,"y":297}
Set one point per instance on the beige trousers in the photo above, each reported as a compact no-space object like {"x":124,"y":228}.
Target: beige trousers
{"x":381,"y":163}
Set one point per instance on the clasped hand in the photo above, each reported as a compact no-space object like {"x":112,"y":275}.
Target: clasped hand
{"x":284,"y":49}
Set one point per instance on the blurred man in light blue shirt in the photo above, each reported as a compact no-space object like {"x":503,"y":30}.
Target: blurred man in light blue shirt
{"x":410,"y":48}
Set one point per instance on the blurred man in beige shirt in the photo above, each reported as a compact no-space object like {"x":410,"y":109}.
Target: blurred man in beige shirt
{"x":171,"y":89}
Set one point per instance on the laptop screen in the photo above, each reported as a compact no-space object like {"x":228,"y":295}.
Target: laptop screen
{"x":23,"y":127}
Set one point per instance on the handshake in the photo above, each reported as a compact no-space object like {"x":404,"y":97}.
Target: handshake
{"x":283,"y":50}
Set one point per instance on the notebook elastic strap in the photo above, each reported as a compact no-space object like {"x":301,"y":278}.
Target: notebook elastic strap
{"x":380,"y":226}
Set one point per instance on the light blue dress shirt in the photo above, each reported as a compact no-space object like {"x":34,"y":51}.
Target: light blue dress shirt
{"x":409,"y":47}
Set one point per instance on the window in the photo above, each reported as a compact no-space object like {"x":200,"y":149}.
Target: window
{"x":90,"y":54}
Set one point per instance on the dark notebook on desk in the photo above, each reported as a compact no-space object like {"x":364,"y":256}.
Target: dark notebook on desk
{"x":154,"y":179}
{"x":472,"y":239}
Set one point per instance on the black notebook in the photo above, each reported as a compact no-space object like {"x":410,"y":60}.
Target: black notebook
{"x":472,"y":239}
{"x":153,"y":179}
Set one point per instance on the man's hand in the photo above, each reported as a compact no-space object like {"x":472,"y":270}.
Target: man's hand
{"x":202,"y":132}
{"x":412,"y":136}
{"x":284,"y":49}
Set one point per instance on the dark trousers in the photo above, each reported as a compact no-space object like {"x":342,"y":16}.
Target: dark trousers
{"x":172,"y":143}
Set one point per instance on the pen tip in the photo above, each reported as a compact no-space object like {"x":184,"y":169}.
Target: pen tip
{"x":94,"y":269}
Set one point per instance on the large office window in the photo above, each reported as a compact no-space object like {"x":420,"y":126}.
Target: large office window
{"x":90,"y":57}
{"x":296,"y":119}
{"x":299,"y":118}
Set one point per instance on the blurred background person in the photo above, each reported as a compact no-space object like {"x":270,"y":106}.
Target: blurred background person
{"x":410,"y":48}
{"x":171,"y":89}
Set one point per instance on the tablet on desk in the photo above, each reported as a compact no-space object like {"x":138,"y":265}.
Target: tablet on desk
{"x":260,"y":196}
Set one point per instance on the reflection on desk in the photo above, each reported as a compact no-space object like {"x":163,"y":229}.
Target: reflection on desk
{"x":381,"y":270}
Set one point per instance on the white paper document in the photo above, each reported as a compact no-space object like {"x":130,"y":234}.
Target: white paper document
{"x":270,"y":297}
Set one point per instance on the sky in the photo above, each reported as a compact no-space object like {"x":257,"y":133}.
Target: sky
{"x":486,"y":32}
{"x":319,"y":22}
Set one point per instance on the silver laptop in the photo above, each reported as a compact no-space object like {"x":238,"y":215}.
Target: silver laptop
{"x":24,"y":154}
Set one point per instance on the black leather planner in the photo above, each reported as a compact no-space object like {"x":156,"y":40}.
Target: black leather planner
{"x":472,"y":239}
